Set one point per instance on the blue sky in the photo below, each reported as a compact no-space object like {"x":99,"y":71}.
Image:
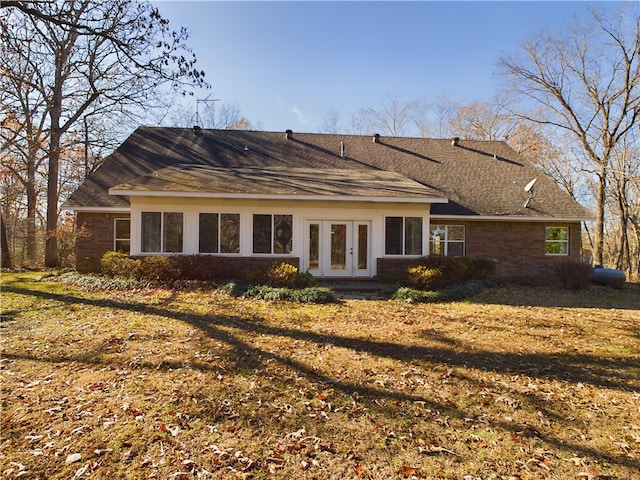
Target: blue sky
{"x":287,"y":64}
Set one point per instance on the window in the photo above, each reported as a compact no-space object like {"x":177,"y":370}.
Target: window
{"x":403,"y":236}
{"x":447,"y":240}
{"x":272,"y":234}
{"x":219,"y":233}
{"x":122,"y":235}
{"x":162,"y":232}
{"x":556,"y":241}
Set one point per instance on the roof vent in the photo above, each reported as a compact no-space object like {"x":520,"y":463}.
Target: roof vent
{"x":342,"y":149}
{"x":376,"y":138}
{"x":197,"y":130}
{"x":454,"y":141}
{"x":289,"y":134}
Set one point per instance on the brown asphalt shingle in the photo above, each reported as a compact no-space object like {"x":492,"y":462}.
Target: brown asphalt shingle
{"x":480,"y":178}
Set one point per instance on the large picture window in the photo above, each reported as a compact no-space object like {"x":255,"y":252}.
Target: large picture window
{"x":162,"y":232}
{"x":447,"y":240}
{"x":403,"y":236}
{"x":122,"y":235}
{"x":556,"y":241}
{"x":219,"y":233}
{"x":272,"y":234}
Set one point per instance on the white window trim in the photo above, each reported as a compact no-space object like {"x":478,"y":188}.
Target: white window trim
{"x":566,"y":242}
{"x":219,"y":213}
{"x":162,"y":212}
{"x":272,"y":254}
{"x":404,"y":231}
{"x":446,"y":240}
{"x":115,"y":230}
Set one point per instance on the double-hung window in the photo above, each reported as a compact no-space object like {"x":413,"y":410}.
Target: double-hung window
{"x":122,"y":235}
{"x":219,"y":233}
{"x":403,"y":236}
{"x":272,"y":234}
{"x":447,"y":240}
{"x":556,"y":241}
{"x":162,"y":232}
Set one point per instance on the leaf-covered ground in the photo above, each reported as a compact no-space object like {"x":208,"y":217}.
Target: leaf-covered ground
{"x":517,"y":383}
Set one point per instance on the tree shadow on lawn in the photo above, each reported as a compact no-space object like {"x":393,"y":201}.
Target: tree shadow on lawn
{"x":596,"y":296}
{"x":585,"y":369}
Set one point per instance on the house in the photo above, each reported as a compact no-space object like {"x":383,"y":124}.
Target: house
{"x":334,"y":205}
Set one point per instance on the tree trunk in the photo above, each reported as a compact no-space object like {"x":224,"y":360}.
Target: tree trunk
{"x":598,"y":243}
{"x":6,"y":254}
{"x":32,"y":198}
{"x":51,"y":258}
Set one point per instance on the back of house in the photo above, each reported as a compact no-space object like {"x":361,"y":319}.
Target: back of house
{"x":337,"y":206}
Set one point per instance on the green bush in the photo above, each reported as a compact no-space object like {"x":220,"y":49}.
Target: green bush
{"x":455,"y":293}
{"x":574,"y":275}
{"x":118,"y":264}
{"x":423,"y":278}
{"x":303,"y":295}
{"x":159,"y":268}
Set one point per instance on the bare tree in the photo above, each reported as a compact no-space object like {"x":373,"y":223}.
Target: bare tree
{"x":97,"y":58}
{"x":588,"y":81}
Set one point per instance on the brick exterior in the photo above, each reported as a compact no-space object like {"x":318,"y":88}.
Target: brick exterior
{"x":517,"y":247}
{"x":99,"y":238}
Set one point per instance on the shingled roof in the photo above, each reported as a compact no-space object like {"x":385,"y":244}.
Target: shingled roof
{"x":479,"y":178}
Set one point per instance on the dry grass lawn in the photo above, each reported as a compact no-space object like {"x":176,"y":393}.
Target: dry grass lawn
{"x":516,"y":383}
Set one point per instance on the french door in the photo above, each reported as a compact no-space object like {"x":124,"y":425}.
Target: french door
{"x":338,"y":248}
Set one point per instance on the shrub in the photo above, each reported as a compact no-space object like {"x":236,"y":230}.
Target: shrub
{"x":455,"y":293}
{"x":282,"y":275}
{"x":453,"y":270}
{"x":159,"y":268}
{"x":286,"y":275}
{"x":574,"y":275}
{"x":118,"y":264}
{"x":423,"y":278}
{"x":304,"y":295}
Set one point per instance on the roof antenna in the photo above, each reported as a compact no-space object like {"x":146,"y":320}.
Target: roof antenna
{"x":206,"y":100}
{"x":529,"y":189}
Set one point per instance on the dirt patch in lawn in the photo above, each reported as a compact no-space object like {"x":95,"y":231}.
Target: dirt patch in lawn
{"x":520,"y":383}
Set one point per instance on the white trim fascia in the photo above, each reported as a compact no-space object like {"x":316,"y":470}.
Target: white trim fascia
{"x":491,"y":218}
{"x":99,"y":209}
{"x":254,"y":196}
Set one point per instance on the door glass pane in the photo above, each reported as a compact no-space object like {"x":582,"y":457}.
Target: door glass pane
{"x":363,"y":242}
{"x":262,"y":234}
{"x":151,"y":226}
{"x":413,"y":236}
{"x":338,"y":247}
{"x":208,"y":233}
{"x":172,"y":234}
{"x":314,"y":246}
{"x":230,"y":233}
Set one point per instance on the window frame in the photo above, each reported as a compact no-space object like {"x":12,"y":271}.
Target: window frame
{"x":163,"y":232}
{"x":404,"y":237}
{"x":447,"y":241}
{"x":272,"y":233}
{"x":117,"y":239}
{"x":564,"y":242}
{"x":219,"y":241}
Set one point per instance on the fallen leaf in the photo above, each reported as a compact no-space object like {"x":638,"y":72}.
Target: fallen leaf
{"x":407,"y":471}
{"x":359,"y":470}
{"x":73,"y":457}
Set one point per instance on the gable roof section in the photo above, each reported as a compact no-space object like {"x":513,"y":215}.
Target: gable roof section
{"x":186,"y":180}
{"x":480,"y":179}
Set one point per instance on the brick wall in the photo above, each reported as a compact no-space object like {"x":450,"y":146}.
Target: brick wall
{"x":517,"y":247}
{"x":90,"y":248}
